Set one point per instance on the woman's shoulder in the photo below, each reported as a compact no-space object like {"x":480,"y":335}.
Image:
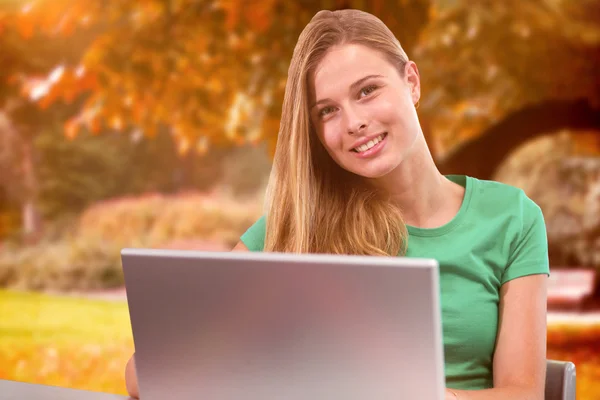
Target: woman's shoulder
{"x":495,"y":194}
{"x":508,"y":211}
{"x":254,"y":237}
{"x":507,"y":208}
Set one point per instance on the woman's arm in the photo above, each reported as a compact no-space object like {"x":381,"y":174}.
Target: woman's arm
{"x":131,"y":382}
{"x":131,"y":378}
{"x":520,"y":355}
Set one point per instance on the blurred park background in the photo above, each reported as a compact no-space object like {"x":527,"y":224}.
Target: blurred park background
{"x":151,"y":123}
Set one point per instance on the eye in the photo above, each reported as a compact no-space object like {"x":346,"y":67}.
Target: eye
{"x":326,"y":110}
{"x":367,"y":90}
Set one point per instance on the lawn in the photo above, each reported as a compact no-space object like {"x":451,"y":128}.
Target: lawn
{"x":85,"y":344}
{"x":64,"y":341}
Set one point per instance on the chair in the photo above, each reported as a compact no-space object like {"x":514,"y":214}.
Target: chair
{"x":560,"y":380}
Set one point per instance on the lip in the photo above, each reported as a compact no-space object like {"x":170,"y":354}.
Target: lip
{"x":366,"y":140}
{"x":373,"y":150}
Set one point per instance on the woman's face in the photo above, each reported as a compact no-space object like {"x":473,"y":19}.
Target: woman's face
{"x":363,"y":109}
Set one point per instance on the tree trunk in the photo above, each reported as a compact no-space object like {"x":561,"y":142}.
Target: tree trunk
{"x":30,"y":214}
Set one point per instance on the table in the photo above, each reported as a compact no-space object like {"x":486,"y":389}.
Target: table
{"x":12,"y":390}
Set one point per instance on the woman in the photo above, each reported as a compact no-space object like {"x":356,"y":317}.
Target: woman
{"x":352,"y":174}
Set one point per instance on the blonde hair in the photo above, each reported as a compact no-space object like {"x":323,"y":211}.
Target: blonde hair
{"x":312,"y":204}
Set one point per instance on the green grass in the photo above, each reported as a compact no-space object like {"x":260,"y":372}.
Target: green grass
{"x":64,"y":341}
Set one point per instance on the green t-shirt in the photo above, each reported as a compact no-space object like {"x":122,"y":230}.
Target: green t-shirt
{"x":499,"y":234}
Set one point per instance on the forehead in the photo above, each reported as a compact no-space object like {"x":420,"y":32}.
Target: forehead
{"x":344,"y":65}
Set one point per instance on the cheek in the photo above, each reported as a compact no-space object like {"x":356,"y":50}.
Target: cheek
{"x":392,"y":109}
{"x":389,"y":112}
{"x":331,"y":136}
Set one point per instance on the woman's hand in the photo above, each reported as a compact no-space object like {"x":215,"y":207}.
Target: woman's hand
{"x":450,"y":395}
{"x":131,"y":382}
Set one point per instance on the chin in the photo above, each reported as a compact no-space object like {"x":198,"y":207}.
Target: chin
{"x":374,"y":173}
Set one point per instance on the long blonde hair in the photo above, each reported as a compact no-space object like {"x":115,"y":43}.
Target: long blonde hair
{"x":312,"y":204}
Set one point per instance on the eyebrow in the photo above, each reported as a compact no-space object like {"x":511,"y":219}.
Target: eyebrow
{"x":352,"y":88}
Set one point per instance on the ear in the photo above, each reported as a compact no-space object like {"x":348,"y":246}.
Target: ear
{"x":413,"y":80}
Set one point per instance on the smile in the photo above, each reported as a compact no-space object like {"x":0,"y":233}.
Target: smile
{"x":370,"y":144}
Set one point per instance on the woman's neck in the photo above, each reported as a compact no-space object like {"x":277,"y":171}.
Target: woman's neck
{"x":426,"y":197}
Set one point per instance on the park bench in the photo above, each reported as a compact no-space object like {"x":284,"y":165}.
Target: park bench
{"x":570,"y":288}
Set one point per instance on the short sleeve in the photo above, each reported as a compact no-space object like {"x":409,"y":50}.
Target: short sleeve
{"x":530,"y":252}
{"x":254,"y":237}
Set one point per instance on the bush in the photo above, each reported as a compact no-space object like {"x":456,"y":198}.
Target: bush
{"x":78,"y":264}
{"x":74,"y":174}
{"x":88,"y":256}
{"x":155,"y":220}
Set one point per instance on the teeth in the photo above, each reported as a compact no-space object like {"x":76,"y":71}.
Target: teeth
{"x":370,"y":144}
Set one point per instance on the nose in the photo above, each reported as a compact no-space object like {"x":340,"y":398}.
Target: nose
{"x":359,"y":127}
{"x":356,"y":123}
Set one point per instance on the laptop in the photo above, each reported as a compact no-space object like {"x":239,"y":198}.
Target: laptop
{"x":273,"y":326}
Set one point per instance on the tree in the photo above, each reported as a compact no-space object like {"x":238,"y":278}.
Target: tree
{"x":490,"y":66}
{"x":26,"y":56}
{"x":213,"y":73}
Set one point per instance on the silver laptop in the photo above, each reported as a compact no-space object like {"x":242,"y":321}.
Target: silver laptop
{"x":267,"y":326}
